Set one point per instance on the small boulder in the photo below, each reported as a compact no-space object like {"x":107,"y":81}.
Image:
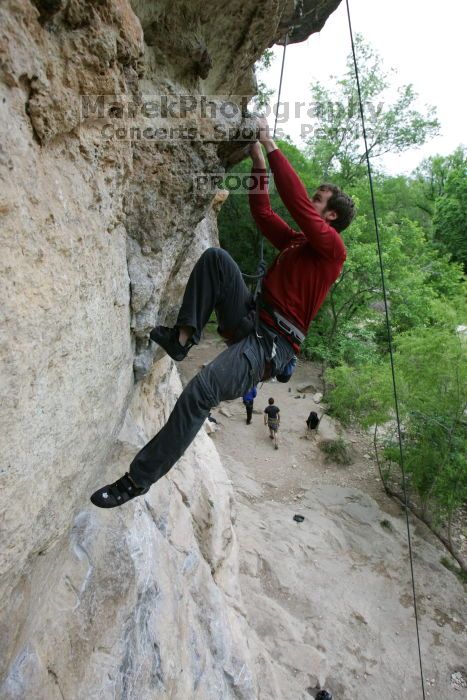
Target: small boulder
{"x":306,"y":388}
{"x":209,"y":426}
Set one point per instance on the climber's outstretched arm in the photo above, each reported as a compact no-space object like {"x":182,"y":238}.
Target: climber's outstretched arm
{"x":276,"y":230}
{"x":322,"y":237}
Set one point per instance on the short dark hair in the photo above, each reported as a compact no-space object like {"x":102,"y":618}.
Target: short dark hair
{"x":342,"y":204}
{"x":271,"y":401}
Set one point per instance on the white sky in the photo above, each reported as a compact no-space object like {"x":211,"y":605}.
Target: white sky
{"x":423,"y":39}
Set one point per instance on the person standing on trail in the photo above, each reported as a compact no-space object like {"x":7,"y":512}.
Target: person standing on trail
{"x":248,"y":401}
{"x":272,"y":419}
{"x":312,"y":421}
{"x":294,"y":287}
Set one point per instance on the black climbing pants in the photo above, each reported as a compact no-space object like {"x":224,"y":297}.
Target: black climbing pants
{"x":249,"y":410}
{"x":215,"y":283}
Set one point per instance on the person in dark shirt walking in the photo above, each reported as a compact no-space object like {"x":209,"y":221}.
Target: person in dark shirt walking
{"x":248,"y":401}
{"x":272,"y":419}
{"x":294,"y":287}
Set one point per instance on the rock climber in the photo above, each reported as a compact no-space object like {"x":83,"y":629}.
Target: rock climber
{"x":294,"y":287}
{"x":248,"y":401}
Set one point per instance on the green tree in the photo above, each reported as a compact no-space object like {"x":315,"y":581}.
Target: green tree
{"x":431,"y":372}
{"x":450,"y":210}
{"x":351,"y":324}
{"x":263,"y":94}
{"x":393,"y":125}
{"x":432,"y":174}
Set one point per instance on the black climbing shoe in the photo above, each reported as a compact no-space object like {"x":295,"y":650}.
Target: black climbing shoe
{"x":118,"y":493}
{"x":167,"y":338}
{"x":323,"y":695}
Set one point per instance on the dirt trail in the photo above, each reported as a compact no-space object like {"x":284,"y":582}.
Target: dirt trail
{"x":330,"y":598}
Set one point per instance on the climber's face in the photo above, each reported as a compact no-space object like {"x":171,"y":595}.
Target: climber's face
{"x":320,"y":201}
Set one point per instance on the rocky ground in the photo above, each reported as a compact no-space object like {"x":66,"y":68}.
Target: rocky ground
{"x":330,"y":598}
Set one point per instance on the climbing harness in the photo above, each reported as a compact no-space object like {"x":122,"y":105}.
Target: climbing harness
{"x":390,"y":343}
{"x":282,"y":324}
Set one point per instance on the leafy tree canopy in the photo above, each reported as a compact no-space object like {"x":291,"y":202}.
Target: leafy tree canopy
{"x":393,"y":123}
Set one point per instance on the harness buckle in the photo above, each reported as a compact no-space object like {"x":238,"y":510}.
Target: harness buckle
{"x":283,"y":326}
{"x":288,"y":328}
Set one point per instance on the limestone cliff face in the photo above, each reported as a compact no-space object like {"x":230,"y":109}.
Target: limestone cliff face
{"x":99,"y":233}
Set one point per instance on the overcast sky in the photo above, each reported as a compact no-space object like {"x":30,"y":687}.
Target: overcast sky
{"x":424,"y":40}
